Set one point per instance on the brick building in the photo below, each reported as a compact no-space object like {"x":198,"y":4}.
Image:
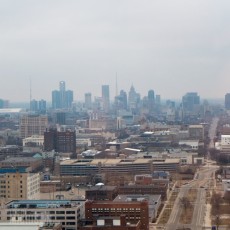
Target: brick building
{"x":134,"y":211}
{"x":161,"y":189}
{"x":101,"y":193}
{"x":60,"y":141}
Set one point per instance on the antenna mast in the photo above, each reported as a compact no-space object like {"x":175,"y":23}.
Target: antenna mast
{"x":116,"y":86}
{"x":30,"y":94}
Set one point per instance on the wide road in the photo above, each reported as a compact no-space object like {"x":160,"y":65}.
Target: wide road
{"x":201,"y":184}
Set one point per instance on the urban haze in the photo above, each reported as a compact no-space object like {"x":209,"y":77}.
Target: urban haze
{"x":114,"y":115}
{"x":170,"y":46}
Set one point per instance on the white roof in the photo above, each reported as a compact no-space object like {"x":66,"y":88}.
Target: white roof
{"x":11,"y":110}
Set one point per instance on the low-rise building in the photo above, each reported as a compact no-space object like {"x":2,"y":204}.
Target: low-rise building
{"x":101,"y":192}
{"x":160,"y":188}
{"x":34,"y":164}
{"x":154,"y":202}
{"x":134,"y":211}
{"x":66,"y":212}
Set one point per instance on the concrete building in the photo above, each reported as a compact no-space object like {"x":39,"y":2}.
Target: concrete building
{"x":152,"y":189}
{"x":88,"y":100}
{"x":32,"y":125}
{"x":33,"y":141}
{"x":113,"y":166}
{"x":62,"y":98}
{"x":227,"y":101}
{"x":30,"y":226}
{"x":196,"y":132}
{"x":103,"y":123}
{"x":225,"y":143}
{"x":19,"y":185}
{"x":154,"y":202}
{"x":101,"y":193}
{"x":190,"y":101}
{"x":66,"y":212}
{"x":33,"y":164}
{"x":105,"y":98}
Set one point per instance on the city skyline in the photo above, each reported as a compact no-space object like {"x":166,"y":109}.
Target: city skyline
{"x":152,"y":45}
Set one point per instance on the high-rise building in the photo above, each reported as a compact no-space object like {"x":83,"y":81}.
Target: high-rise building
{"x":56,"y":104}
{"x":42,"y":106}
{"x":134,"y":98}
{"x":38,"y":106}
{"x":32,"y":125}
{"x":121,"y":101}
{"x":34,"y":106}
{"x":158,"y":99}
{"x":63,"y":141}
{"x":62,"y":98}
{"x":227,"y":101}
{"x":105,"y":98}
{"x":190,"y":101}
{"x":19,"y":185}
{"x":151,"y":100}
{"x":88,"y":101}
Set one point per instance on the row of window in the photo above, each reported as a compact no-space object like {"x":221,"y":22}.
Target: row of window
{"x":39,"y":212}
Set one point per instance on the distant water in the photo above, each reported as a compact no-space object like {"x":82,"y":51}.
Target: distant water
{"x":24,"y":105}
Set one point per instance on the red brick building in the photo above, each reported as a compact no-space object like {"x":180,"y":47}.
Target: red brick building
{"x":134,"y":211}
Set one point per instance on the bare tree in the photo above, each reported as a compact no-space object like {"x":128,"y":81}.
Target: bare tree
{"x":185,"y":202}
{"x":215,"y":201}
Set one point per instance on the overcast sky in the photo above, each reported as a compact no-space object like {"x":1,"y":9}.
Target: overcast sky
{"x":170,"y":46}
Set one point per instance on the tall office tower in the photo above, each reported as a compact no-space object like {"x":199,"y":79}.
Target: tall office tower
{"x":227,"y":101}
{"x":105,"y":98}
{"x":32,"y":125}
{"x":56,"y":99}
{"x":88,"y":101}
{"x":34,"y":106}
{"x":134,"y":98}
{"x":190,"y":101}
{"x":62,"y":94}
{"x":42,"y":106}
{"x":121,"y":101}
{"x":158,"y":99}
{"x":64,"y":141}
{"x":68,"y":99}
{"x":63,"y":98}
{"x":60,"y":118}
{"x":151,"y":100}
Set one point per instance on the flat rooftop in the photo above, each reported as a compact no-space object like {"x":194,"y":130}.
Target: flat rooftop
{"x":43,"y":203}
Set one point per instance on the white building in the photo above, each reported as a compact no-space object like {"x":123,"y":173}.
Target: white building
{"x":38,"y":140}
{"x":67,"y":212}
{"x":225,"y":142}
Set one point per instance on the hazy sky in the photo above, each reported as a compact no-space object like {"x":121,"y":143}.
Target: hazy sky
{"x":170,"y":46}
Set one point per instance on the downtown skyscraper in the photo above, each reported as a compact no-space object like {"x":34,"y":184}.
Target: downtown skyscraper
{"x":62,"y":98}
{"x":105,"y":98}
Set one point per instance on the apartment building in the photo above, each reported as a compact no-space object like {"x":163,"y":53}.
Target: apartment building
{"x":33,"y":125}
{"x":19,"y":185}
